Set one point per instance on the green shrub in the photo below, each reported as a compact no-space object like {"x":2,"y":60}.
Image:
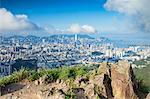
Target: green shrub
{"x":14,"y":78}
{"x":33,"y":76}
{"x":71,"y":72}
{"x":64,"y":73}
{"x":52,"y":75}
{"x":142,"y":87}
{"x":80,"y":71}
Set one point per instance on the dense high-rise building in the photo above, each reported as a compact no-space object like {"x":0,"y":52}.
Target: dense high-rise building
{"x":76,"y":37}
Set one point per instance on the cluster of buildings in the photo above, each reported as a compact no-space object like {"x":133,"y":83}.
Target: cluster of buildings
{"x":57,"y":51}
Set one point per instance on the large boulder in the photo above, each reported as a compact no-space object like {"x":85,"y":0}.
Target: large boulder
{"x":89,"y":91}
{"x":123,"y":81}
{"x":102,"y":82}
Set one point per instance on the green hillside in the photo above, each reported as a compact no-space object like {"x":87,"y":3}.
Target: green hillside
{"x":143,"y":74}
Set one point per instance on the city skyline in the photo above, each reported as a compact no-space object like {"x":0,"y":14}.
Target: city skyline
{"x":116,"y":19}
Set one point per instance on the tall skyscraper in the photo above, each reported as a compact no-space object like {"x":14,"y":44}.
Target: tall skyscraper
{"x":75,"y":37}
{"x":43,"y":41}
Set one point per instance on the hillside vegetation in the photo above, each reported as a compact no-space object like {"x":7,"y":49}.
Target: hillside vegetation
{"x":143,"y":74}
{"x":63,"y":73}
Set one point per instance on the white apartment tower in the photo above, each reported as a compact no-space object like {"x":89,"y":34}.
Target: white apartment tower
{"x":76,"y":37}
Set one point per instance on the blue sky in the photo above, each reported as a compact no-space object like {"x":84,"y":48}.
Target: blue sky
{"x":63,"y":13}
{"x":118,"y":19}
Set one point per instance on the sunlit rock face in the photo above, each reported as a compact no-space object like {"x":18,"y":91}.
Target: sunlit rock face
{"x":117,"y":80}
{"x":123,"y":81}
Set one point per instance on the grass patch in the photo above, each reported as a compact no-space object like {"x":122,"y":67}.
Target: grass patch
{"x":142,"y":86}
{"x":33,"y":76}
{"x":14,"y":78}
{"x":63,"y":73}
{"x":143,"y":76}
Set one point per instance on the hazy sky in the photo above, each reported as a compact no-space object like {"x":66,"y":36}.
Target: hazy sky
{"x":112,"y":17}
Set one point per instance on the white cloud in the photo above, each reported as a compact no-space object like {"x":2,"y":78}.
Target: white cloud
{"x":137,"y":9}
{"x":15,"y":23}
{"x":88,"y":29}
{"x":20,"y":24}
{"x":76,"y":28}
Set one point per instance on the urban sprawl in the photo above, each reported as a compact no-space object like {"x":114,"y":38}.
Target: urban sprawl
{"x":63,"y":50}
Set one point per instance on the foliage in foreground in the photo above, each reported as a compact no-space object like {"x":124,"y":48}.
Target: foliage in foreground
{"x":63,"y":73}
{"x":15,"y":77}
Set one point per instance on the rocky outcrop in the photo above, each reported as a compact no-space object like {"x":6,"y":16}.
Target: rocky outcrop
{"x":113,"y":81}
{"x":109,"y":81}
{"x":123,"y":81}
{"x":51,"y":94}
{"x":102,"y":82}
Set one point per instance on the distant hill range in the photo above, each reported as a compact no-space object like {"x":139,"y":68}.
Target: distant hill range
{"x":58,"y":37}
{"x":51,"y":38}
